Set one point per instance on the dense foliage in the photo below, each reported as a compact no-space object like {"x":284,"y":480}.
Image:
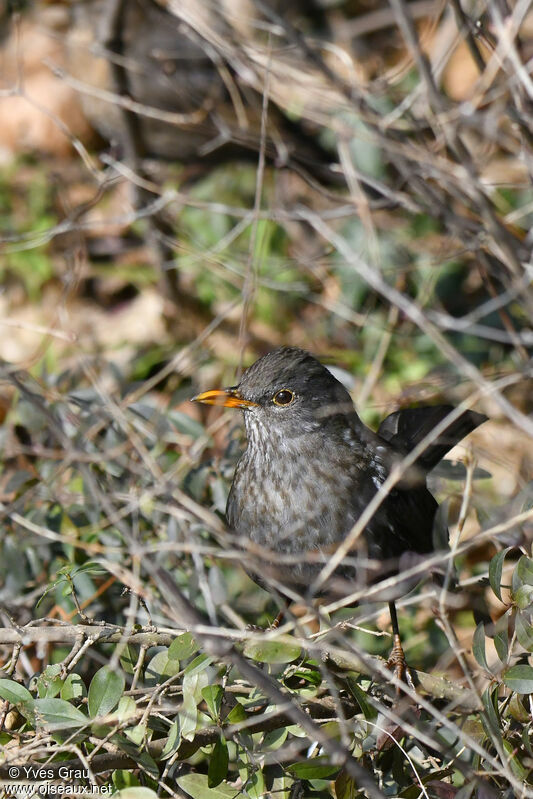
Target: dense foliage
{"x":135,"y":652}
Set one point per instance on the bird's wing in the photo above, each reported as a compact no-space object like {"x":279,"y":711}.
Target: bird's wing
{"x":406,"y":428}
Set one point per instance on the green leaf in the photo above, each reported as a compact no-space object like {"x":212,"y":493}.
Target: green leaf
{"x":196,"y":785}
{"x":73,"y":688}
{"x":193,"y":682}
{"x":524,"y":630}
{"x":478,"y":646}
{"x":129,"y":658}
{"x":501,"y":639}
{"x":516,"y":709}
{"x":135,"y":792}
{"x":136,"y":734}
{"x":345,"y":786}
{"x":50,"y":682}
{"x":59,"y":715}
{"x":124,"y":779}
{"x":173,"y":741}
{"x":517,"y":768}
{"x":160,"y":668}
{"x":524,"y":570}
{"x":519,"y":678}
{"x":144,"y":760}
{"x":236,"y":715}
{"x":495,"y":571}
{"x":280,"y":650}
{"x":14,"y":692}
{"x":525,"y":739}
{"x":213,"y":695}
{"x":311,"y":676}
{"x":317,"y":768}
{"x":254,"y":787}
{"x":273,"y":739}
{"x":200,"y":663}
{"x":369,"y":712}
{"x":490,"y":717}
{"x":218,"y":763}
{"x":127,"y":708}
{"x":182,"y":647}
{"x":105,"y":691}
{"x":523,"y":596}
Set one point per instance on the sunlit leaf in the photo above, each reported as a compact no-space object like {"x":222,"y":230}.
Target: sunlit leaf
{"x":59,"y":715}
{"x":105,"y":690}
{"x":524,"y":570}
{"x":160,"y":668}
{"x":73,"y":688}
{"x":173,"y":741}
{"x":196,"y":785}
{"x":280,"y":650}
{"x":213,"y":695}
{"x":135,"y":792}
{"x":524,"y":596}
{"x":182,"y":647}
{"x":524,"y":630}
{"x":14,"y":692}
{"x":519,"y":678}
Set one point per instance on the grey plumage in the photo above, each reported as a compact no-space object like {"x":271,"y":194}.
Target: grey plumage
{"x":311,"y":467}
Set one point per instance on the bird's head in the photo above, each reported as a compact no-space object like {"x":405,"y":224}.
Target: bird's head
{"x":287,"y":390}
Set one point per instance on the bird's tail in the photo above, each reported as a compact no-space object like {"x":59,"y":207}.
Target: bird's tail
{"x":406,"y":428}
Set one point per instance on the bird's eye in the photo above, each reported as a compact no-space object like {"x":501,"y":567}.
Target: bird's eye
{"x":283,"y":397}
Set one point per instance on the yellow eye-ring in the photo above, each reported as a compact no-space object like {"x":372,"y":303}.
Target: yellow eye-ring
{"x":283,"y":397}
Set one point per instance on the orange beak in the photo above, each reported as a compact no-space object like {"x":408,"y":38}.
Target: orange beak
{"x":228,"y":397}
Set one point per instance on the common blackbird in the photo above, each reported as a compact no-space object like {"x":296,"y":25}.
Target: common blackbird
{"x":310,"y":469}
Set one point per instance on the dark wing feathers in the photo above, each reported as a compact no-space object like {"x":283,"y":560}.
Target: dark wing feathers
{"x":406,"y":428}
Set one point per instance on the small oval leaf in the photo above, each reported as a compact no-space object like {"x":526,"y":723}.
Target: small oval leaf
{"x":182,"y":647}
{"x":73,"y":688}
{"x":524,"y":570}
{"x":478,"y":646}
{"x":280,"y":650}
{"x":173,"y":741}
{"x":495,"y":572}
{"x":58,"y":714}
{"x":317,"y":768}
{"x":524,"y":630}
{"x":14,"y":692}
{"x":213,"y":695}
{"x":160,"y":668}
{"x":523,"y":596}
{"x":196,"y":785}
{"x":105,"y":691}
{"x":501,"y":642}
{"x":135,"y":792}
{"x":519,"y":678}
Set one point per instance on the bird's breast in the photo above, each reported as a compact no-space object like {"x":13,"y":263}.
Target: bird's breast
{"x":293,"y":501}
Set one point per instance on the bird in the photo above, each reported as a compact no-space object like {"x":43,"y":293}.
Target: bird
{"x":310,"y":469}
